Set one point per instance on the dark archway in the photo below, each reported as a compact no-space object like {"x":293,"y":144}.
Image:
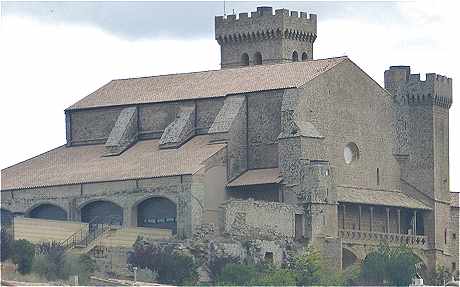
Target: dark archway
{"x":295,"y":56}
{"x":102,"y":212}
{"x":157,"y":212}
{"x":245,"y":59}
{"x":7,"y":217}
{"x":348,"y":258}
{"x":48,"y":211}
{"x":304,"y":56}
{"x":258,"y":58}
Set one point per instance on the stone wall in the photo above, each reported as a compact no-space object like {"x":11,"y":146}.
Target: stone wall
{"x":259,"y":219}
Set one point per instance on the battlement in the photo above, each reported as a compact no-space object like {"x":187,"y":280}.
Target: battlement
{"x":408,"y":88}
{"x":264,"y":24}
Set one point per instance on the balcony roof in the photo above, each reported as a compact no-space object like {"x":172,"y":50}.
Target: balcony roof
{"x":378,"y":197}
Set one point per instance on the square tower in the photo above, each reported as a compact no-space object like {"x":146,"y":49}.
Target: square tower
{"x":264,"y":38}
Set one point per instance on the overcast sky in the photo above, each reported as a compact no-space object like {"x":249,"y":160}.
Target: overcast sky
{"x":54,"y":53}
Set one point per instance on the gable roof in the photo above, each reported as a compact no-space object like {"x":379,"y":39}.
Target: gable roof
{"x":84,"y":164}
{"x":207,"y":84}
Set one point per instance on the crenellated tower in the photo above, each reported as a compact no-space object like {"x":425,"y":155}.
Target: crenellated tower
{"x":265,"y":38}
{"x":421,"y":121}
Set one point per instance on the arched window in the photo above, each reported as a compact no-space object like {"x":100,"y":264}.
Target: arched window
{"x":245,"y":59}
{"x":258,"y":58}
{"x":304,"y":56}
{"x":295,"y":56}
{"x":351,"y":152}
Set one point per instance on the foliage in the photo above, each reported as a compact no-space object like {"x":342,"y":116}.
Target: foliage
{"x":237,"y":274}
{"x":146,"y":275}
{"x":217,"y":264}
{"x":82,"y":265}
{"x":275,"y":277}
{"x":6,"y":243}
{"x":440,"y":276}
{"x":172,"y":266}
{"x":395,"y":266}
{"x":51,"y":261}
{"x":23,"y":255}
{"x":307,"y":267}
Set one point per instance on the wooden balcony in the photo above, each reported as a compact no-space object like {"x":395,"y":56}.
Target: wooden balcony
{"x":371,"y":237}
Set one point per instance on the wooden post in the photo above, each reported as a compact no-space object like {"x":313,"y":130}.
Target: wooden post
{"x":359,"y":218}
{"x":388,"y":220}
{"x":372,"y":218}
{"x":399,"y":221}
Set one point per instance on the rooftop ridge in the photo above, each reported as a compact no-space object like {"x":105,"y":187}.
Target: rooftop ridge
{"x":233,"y":68}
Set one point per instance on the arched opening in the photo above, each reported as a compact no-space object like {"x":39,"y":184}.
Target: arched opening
{"x":258,"y":58}
{"x":7,"y":217}
{"x":295,"y":56}
{"x":245,"y":59}
{"x":157,"y":212}
{"x":348,"y":258}
{"x":102,"y":212}
{"x":48,"y":211}
{"x":304,"y":56}
{"x":351,"y":152}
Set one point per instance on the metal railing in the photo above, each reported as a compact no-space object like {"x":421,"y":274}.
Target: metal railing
{"x":86,"y":235}
{"x":419,"y":241}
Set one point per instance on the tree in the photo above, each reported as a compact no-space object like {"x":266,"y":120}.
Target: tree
{"x":23,"y":255}
{"x":275,"y":277}
{"x":307,"y":267}
{"x":390,"y":265}
{"x":6,"y":242}
{"x":237,"y":274}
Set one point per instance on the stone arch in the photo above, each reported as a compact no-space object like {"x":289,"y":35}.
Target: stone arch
{"x":101,"y":211}
{"x":258,"y":58}
{"x":245,"y":59}
{"x":348,"y":257}
{"x":156,"y":212}
{"x":304,"y":56}
{"x":47,"y":210}
{"x":295,"y":56}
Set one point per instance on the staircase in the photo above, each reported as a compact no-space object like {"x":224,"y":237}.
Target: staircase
{"x":40,"y":230}
{"x":125,"y":237}
{"x":83,"y":240}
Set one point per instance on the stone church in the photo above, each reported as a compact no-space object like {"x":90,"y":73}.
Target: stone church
{"x":276,"y":146}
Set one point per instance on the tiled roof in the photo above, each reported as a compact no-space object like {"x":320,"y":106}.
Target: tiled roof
{"x":81,"y":164}
{"x":455,"y":199}
{"x":207,"y":84}
{"x":257,"y":176}
{"x":377,"y":197}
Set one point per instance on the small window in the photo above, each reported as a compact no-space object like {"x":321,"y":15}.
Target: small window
{"x":445,"y":236}
{"x":258,"y":58}
{"x":454,"y":266}
{"x":304,"y":56}
{"x":351,"y":153}
{"x":245,"y":60}
{"x":295,"y":57}
{"x":378,"y":176}
{"x":454,"y":236}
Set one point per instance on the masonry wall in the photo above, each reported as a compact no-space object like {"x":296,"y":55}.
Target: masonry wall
{"x":346,"y":105}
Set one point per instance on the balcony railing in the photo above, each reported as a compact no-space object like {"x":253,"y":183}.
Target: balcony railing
{"x":360,"y":236}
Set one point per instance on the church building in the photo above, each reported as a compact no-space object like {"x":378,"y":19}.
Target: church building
{"x":276,"y":146}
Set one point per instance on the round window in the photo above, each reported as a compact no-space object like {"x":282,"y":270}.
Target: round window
{"x":350,"y":153}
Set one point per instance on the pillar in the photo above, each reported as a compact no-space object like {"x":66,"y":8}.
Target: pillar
{"x":388,"y":220}
{"x":372,"y":218}
{"x":343,"y":219}
{"x":359,"y":218}
{"x":399,"y":221}
{"x":415,"y":222}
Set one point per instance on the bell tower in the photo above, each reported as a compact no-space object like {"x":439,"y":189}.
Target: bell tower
{"x":265,"y":38}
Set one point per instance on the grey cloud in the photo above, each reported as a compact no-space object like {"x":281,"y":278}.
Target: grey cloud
{"x":138,"y":20}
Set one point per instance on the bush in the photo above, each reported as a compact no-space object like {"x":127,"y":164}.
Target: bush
{"x":275,"y":277}
{"x":23,"y":255}
{"x":51,"y":261}
{"x":82,"y":265}
{"x":395,"y":266}
{"x":307,"y":267}
{"x":146,"y":275}
{"x":237,"y":274}
{"x":173,"y":267}
{"x":217,"y":264}
{"x":6,"y":243}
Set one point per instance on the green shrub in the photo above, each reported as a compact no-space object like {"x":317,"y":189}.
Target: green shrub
{"x":217,"y":264}
{"x":172,"y":266}
{"x":82,"y":265}
{"x":275,"y":277}
{"x":307,"y":267}
{"x":51,"y":260}
{"x":23,"y":255}
{"x":146,"y":275}
{"x":237,"y":274}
